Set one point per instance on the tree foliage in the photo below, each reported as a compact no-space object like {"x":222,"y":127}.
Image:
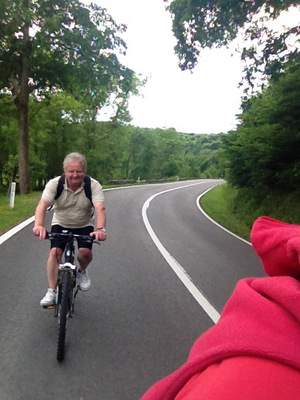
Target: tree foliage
{"x":114,"y":151}
{"x":8,"y":141}
{"x":55,"y":45}
{"x":264,"y":152}
{"x":199,"y":24}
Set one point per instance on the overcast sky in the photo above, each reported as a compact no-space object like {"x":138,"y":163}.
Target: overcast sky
{"x":205,"y":101}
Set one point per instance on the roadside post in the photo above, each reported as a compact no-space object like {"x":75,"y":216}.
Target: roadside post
{"x":12,"y":195}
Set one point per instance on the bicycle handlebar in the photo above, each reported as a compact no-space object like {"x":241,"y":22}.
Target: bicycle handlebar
{"x":69,"y":236}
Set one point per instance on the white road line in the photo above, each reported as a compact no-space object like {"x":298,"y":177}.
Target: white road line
{"x":177,"y":268}
{"x":7,"y":235}
{"x":213,"y":221}
{"x":15,"y":230}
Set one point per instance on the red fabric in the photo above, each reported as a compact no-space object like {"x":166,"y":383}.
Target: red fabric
{"x":261,"y":319}
{"x":243,"y":378}
{"x":278,"y":245}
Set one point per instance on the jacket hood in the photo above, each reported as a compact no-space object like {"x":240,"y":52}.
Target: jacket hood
{"x":261,"y":318}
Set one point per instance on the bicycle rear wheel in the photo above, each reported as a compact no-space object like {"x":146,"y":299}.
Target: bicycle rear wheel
{"x":63,"y":313}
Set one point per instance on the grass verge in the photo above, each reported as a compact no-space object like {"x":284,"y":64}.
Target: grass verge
{"x":234,"y":209}
{"x":24,"y":208}
{"x":219,"y":204}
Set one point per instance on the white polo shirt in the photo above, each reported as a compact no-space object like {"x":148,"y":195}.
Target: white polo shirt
{"x":72,"y":209}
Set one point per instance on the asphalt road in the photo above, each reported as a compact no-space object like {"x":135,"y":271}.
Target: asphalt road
{"x":138,"y":321}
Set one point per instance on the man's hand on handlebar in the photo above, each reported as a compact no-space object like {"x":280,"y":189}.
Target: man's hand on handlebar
{"x":99,"y":235}
{"x":40,"y":231}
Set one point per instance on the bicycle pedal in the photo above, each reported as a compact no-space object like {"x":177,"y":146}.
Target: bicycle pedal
{"x":49,"y":307}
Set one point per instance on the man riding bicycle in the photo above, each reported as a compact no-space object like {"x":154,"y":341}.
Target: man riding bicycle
{"x":73,"y":212}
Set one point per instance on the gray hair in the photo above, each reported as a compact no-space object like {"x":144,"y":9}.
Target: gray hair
{"x":75,"y":157}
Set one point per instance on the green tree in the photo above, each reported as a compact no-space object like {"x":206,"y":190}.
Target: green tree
{"x":265,"y":149}
{"x":57,"y":126}
{"x":170,"y":152}
{"x":53,"y":45}
{"x":8,"y":141}
{"x":202,"y":156}
{"x":200,"y":24}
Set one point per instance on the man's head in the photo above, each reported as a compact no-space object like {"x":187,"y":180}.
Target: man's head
{"x":74,"y":168}
{"x":75,"y":157}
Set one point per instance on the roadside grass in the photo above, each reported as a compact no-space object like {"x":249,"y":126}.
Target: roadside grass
{"x":218,"y":203}
{"x":234,"y":209}
{"x":24,"y":208}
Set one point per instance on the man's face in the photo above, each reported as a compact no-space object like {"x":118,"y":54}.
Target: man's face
{"x":74,"y":173}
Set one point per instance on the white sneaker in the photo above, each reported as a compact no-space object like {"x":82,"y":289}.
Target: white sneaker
{"x":49,"y":298}
{"x":84,"y":280}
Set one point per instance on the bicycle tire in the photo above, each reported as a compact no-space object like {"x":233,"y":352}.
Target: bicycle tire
{"x":63,"y":314}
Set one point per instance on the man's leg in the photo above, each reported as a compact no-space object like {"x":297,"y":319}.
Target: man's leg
{"x":52,"y":271}
{"x":85,"y":256}
{"x":52,"y":266}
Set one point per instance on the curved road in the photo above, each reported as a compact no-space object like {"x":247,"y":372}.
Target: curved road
{"x":139,"y":320}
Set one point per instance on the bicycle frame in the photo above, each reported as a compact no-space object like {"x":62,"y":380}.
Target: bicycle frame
{"x":67,"y":287}
{"x":69,"y":267}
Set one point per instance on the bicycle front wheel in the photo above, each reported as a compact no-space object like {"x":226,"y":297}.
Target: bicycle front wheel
{"x":63,"y":313}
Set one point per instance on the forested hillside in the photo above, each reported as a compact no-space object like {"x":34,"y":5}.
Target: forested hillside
{"x":55,"y":76}
{"x":114,"y":152}
{"x":264,"y":152}
{"x":65,"y":47}
{"x":262,"y":156}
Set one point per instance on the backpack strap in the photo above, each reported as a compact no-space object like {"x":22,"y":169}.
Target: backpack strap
{"x":60,"y":186}
{"x":87,"y":187}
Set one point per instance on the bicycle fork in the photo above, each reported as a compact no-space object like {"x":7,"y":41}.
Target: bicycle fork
{"x":66,"y":268}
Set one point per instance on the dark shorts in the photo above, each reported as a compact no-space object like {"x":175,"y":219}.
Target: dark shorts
{"x":61,"y":244}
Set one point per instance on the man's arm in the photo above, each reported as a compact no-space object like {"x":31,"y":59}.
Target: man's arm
{"x":40,"y":213}
{"x":100,"y":221}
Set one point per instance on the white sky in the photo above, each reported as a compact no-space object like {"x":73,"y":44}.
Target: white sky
{"x":205,"y":101}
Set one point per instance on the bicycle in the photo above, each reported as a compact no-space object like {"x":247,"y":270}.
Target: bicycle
{"x":67,"y":287}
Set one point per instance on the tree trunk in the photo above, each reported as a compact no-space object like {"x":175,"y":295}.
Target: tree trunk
{"x":23,"y":149}
{"x":22,"y":101}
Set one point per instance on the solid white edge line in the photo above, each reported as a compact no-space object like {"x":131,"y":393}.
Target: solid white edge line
{"x":213,"y":221}
{"x":177,"y":268}
{"x":7,"y":235}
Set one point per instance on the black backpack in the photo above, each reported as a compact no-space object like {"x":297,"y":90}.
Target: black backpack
{"x":87,"y":187}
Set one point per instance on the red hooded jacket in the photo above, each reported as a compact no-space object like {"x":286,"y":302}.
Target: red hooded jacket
{"x":253,"y":352}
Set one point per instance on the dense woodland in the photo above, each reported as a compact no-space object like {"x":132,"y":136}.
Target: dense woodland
{"x":263,"y":152}
{"x":114,"y":152}
{"x":56,"y":111}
